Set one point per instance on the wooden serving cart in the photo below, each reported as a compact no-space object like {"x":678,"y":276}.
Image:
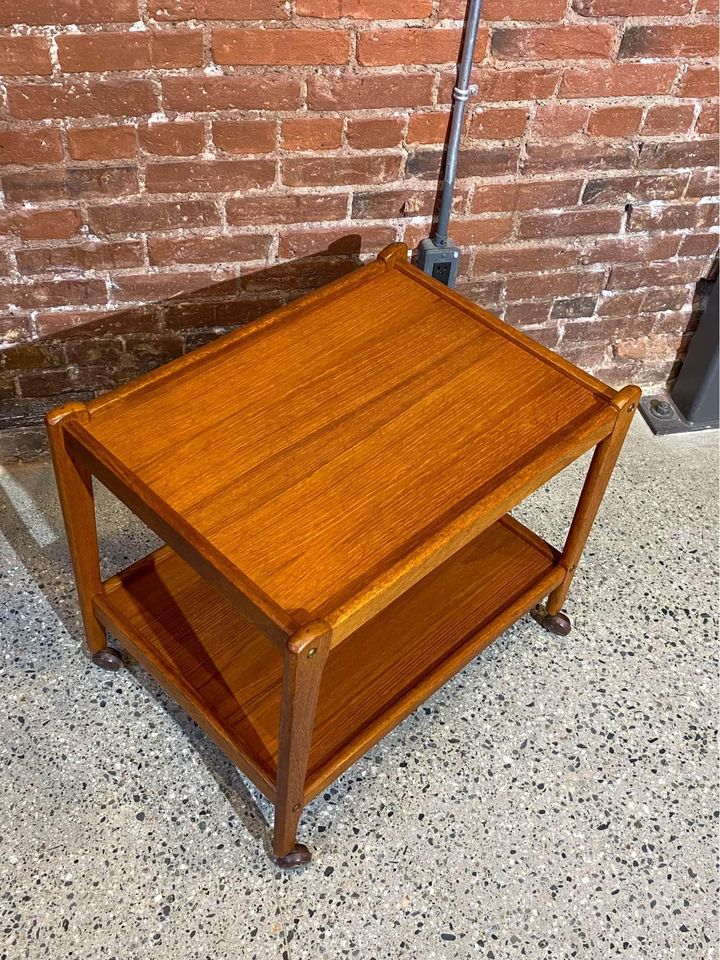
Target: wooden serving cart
{"x":332,"y":486}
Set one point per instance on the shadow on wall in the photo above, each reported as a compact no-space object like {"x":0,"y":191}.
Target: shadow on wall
{"x":79,"y":355}
{"x":703,"y":288}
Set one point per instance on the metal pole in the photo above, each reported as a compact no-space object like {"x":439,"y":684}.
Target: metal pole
{"x":461,"y":93}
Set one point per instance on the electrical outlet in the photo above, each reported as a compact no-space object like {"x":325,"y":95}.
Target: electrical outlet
{"x":439,"y":262}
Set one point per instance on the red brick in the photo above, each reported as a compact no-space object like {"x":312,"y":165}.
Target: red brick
{"x":47,"y":383}
{"x":573,"y":224}
{"x":145,"y":216}
{"x":294,"y":276}
{"x":680,"y":153}
{"x":668,"y":298}
{"x":699,"y":81}
{"x":413,"y":45}
{"x":244,"y":136}
{"x":395,"y":204}
{"x":27,"y":148}
{"x":628,"y":249}
{"x":267,"y":92}
{"x":669,"y":41}
{"x":176,"y":10}
{"x":707,"y":121}
{"x":361,"y":169}
{"x":102,"y":143}
{"x":615,"y":121}
{"x":507,"y":10}
{"x":372,"y":133}
{"x":490,"y":124}
{"x":662,"y":118}
{"x":25,"y":56}
{"x":367,"y":91}
{"x":222,"y":249}
{"x":486,"y":230}
{"x":674,"y":216}
{"x":312,"y":133}
{"x":605,"y":329}
{"x":172,"y":139}
{"x":208,"y":176}
{"x":365,"y":9}
{"x":631,"y":189}
{"x":84,"y":256}
{"x":97,"y":52}
{"x":52,"y":293}
{"x":535,"y":83}
{"x":631,"y":8}
{"x":523,"y":259}
{"x":67,"y":12}
{"x":703,"y":183}
{"x":699,"y":245}
{"x":645,"y":347}
{"x":564,"y":284}
{"x":618,"y":80}
{"x":527,"y":314}
{"x":82,"y":98}
{"x":620,"y":305}
{"x":160,"y":286}
{"x":87,"y":324}
{"x":259,"y":210}
{"x":475,"y":161}
{"x":554,"y":121}
{"x":341,"y":240}
{"x":655,"y":274}
{"x":553,"y":43}
{"x":428,"y":127}
{"x":530,"y":195}
{"x":566,"y":156}
{"x":47,"y":224}
{"x":290,"y":46}
{"x":70,"y":183}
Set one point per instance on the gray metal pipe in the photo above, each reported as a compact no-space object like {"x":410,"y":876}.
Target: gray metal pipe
{"x":461,"y":93}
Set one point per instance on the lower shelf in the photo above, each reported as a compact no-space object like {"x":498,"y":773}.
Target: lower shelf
{"x":228,"y":676}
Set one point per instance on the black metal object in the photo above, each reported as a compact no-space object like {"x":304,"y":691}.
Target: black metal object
{"x":693,"y":401}
{"x":438,"y":256}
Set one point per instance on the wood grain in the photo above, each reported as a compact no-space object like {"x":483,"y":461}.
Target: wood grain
{"x":596,"y":481}
{"x":77,"y":501}
{"x":192,"y":639}
{"x":325,"y":461}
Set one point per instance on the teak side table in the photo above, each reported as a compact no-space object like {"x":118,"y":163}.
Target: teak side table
{"x":332,"y":486}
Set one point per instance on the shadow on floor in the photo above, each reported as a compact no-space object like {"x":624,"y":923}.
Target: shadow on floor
{"x":30,"y":521}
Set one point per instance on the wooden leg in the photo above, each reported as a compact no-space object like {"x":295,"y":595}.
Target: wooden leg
{"x":74,"y":485}
{"x":601,"y":468}
{"x":305,"y":657}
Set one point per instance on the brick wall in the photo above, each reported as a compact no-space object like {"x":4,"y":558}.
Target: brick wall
{"x":175,"y":167}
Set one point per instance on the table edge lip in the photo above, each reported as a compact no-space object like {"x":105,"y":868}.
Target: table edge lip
{"x":331,"y":291}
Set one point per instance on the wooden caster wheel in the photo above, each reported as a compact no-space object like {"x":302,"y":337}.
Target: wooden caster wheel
{"x":557,"y":623}
{"x":107,"y":659}
{"x":299,"y":856}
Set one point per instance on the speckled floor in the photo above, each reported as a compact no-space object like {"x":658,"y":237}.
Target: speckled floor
{"x":555,"y":800}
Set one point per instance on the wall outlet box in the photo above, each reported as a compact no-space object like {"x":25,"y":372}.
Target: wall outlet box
{"x":439,"y":262}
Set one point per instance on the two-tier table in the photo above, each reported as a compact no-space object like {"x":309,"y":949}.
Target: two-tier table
{"x":332,"y":486}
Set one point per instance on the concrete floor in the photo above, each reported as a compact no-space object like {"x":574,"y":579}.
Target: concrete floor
{"x":554,"y":800}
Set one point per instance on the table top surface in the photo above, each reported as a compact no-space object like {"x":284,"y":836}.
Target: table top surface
{"x":333,"y":451}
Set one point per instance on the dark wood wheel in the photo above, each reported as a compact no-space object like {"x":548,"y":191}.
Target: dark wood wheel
{"x":299,"y":856}
{"x":107,"y":659}
{"x":557,"y":623}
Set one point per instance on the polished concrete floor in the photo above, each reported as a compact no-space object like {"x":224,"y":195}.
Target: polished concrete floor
{"x":555,"y":800}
